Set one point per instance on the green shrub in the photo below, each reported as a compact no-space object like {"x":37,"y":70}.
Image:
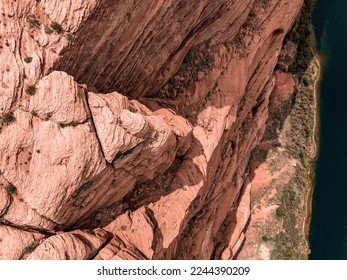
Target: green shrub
{"x":11,"y":189}
{"x":265,"y":238}
{"x":48,"y":30}
{"x":30,"y":89}
{"x":30,"y":248}
{"x":280,"y":211}
{"x":73,"y":124}
{"x":69,"y":36}
{"x":33,"y":21}
{"x":28,"y":59}
{"x":48,"y":116}
{"x":56,"y":27}
{"x":7,"y":118}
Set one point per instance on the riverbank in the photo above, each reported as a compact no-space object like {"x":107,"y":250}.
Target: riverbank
{"x":315,"y":137}
{"x":282,"y":167}
{"x":305,"y":114}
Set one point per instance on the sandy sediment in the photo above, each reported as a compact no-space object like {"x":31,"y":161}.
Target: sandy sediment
{"x":315,"y":136}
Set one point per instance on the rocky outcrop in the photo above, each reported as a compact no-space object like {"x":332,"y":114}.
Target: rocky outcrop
{"x":127,"y":128}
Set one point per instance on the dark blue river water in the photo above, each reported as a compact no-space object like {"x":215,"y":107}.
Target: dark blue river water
{"x":328,"y":233}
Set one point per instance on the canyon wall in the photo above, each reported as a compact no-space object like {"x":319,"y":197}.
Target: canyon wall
{"x":126,"y":127}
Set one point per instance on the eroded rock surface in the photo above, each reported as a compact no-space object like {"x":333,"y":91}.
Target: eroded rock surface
{"x":126,"y":128}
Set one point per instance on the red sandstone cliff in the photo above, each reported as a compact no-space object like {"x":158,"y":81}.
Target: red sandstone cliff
{"x":126,"y":127}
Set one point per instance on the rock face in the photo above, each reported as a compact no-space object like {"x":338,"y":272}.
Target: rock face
{"x":126,"y":127}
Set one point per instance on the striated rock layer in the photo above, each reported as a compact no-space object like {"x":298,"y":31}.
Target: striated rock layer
{"x":126,"y":127}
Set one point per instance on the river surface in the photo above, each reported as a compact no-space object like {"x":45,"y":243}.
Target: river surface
{"x":328,"y":232}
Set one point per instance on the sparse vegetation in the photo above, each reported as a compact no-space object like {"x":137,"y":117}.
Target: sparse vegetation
{"x":30,"y":89}
{"x":73,"y":124}
{"x":290,"y":243}
{"x":280,"y":211}
{"x":30,"y":248}
{"x":266,"y":238}
{"x":7,"y":118}
{"x":28,"y":59}
{"x":48,"y":30}
{"x":199,"y":59}
{"x":33,"y":21}
{"x":302,"y":122}
{"x":69,"y":36}
{"x":287,"y":234}
{"x":301,"y":35}
{"x":48,"y":116}
{"x":301,"y":107}
{"x":11,"y":189}
{"x":56,"y":27}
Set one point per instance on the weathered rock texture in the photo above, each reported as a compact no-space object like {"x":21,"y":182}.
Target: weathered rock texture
{"x":127,"y":126}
